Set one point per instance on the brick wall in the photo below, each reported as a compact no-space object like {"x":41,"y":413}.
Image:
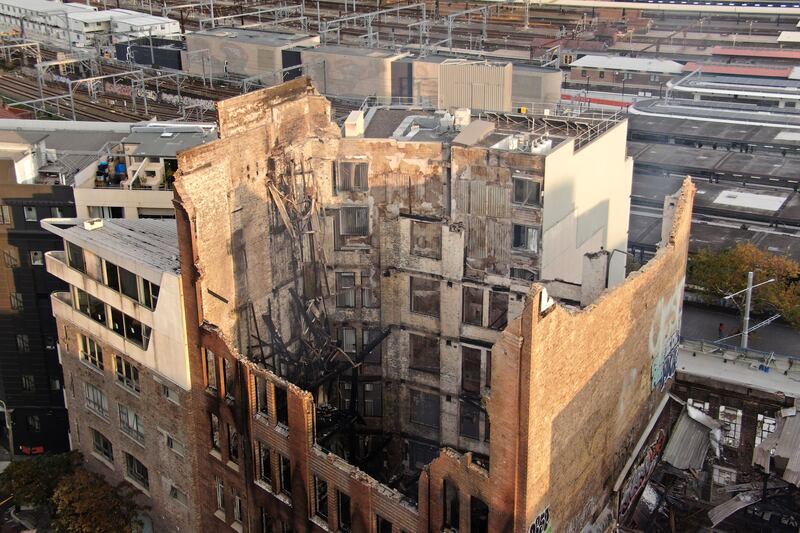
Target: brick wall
{"x":576,"y":393}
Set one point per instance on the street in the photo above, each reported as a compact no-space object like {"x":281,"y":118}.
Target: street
{"x":702,"y":323}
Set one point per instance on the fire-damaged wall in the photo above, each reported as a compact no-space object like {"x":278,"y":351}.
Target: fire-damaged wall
{"x":576,"y":388}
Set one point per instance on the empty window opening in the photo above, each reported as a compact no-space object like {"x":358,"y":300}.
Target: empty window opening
{"x":472,"y":312}
{"x":478,"y":515}
{"x":425,"y":296}
{"x":451,"y":506}
{"x":498,"y":310}
{"x":426,"y":239}
{"x":424,"y":408}
{"x":469,"y":420}
{"x":470,"y":370}
{"x":321,"y":497}
{"x":424,"y":353}
{"x":343,"y":510}
{"x":281,"y":406}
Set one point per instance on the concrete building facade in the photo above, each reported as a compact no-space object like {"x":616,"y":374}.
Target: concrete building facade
{"x":122,"y":340}
{"x":348,"y":295}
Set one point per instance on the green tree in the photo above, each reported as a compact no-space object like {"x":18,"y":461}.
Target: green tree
{"x":725,"y":272}
{"x":86,"y":503}
{"x":33,"y":481}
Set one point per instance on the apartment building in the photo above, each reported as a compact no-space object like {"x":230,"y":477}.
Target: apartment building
{"x":122,"y":344}
{"x":349,"y":297}
{"x":132,"y":177}
{"x":77,"y":25}
{"x":39,"y":164}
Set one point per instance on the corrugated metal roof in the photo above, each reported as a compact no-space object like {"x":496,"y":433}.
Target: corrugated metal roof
{"x":739,"y":70}
{"x":726,"y":509}
{"x":688,"y":444}
{"x":629,"y":64}
{"x":784,"y":442}
{"x":776,"y":53}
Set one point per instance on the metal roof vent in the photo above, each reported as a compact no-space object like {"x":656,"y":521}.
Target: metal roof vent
{"x":92,"y":224}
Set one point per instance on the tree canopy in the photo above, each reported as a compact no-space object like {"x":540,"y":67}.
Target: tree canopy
{"x":86,"y":503}
{"x":33,"y":481}
{"x":725,"y":272}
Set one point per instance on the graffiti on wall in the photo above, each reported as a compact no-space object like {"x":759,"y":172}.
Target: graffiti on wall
{"x":664,"y":337}
{"x":639,"y":475}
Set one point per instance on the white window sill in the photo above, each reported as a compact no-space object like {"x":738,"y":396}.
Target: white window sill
{"x":237,"y":526}
{"x":219,"y":513}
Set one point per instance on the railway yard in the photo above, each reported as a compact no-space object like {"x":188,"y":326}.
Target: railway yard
{"x":747,"y":153}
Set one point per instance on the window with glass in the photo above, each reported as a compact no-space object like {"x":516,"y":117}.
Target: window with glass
{"x":130,"y":328}
{"x":368,"y":335}
{"x":96,"y":400}
{"x":347,"y":339}
{"x":525,"y":238}
{"x":765,"y":426}
{"x":424,"y":353}
{"x":352,"y":176}
{"x":526,"y":191}
{"x":5,"y":215}
{"x":28,"y":383}
{"x":90,"y":306}
{"x":75,"y":257}
{"x":23,"y":343}
{"x":37,"y":257}
{"x":237,"y":507}
{"x":17,"y":301}
{"x":345,"y":289}
{"x":102,"y":445}
{"x":354,"y":221}
{"x":137,"y":472}
{"x":127,"y":374}
{"x":131,"y":423}
{"x":34,"y":423}
{"x":498,"y":309}
{"x":369,"y":297}
{"x":30,"y":213}
{"x":424,"y":408}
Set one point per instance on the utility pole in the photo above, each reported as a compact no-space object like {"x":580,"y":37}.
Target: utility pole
{"x":746,"y":319}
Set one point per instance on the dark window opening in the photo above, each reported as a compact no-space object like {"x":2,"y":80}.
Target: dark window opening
{"x":343,"y":508}
{"x":425,"y":296}
{"x":498,"y":309}
{"x":424,"y":353}
{"x":472,"y":310}
{"x":470,"y":370}
{"x":451,"y":506}
{"x":478,"y":515}
{"x":281,"y":406}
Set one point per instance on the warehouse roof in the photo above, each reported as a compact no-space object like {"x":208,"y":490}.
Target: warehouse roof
{"x":739,"y":70}
{"x":792,"y":37}
{"x":267,"y":38}
{"x":630,"y":64}
{"x":775,"y":53}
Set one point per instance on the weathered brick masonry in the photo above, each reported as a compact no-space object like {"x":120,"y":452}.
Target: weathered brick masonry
{"x":570,"y":389}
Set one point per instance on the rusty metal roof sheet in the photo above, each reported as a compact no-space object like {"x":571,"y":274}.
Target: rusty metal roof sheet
{"x":690,"y":439}
{"x":784,"y":442}
{"x":726,"y":509}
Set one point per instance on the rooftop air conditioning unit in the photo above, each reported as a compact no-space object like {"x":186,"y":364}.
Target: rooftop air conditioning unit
{"x":92,"y":224}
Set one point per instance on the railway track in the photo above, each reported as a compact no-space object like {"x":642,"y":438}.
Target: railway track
{"x":20,"y":89}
